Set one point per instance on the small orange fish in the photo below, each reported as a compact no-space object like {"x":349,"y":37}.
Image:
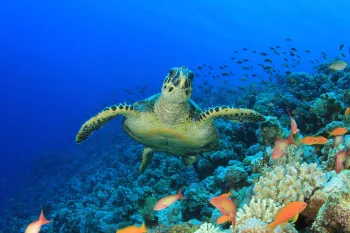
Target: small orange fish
{"x":167,"y":201}
{"x":321,"y":140}
{"x":338,"y":131}
{"x":340,"y":159}
{"x":293,"y":125}
{"x":286,"y":213}
{"x":217,"y":202}
{"x":309,"y":140}
{"x":227,"y":208}
{"x":347,"y":112}
{"x":281,"y":146}
{"x":133,"y":229}
{"x":35,"y":226}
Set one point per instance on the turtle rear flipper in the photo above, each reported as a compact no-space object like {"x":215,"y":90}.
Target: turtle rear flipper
{"x":103,"y":117}
{"x":229,"y":113}
{"x":188,"y":160}
{"x":147,"y":156}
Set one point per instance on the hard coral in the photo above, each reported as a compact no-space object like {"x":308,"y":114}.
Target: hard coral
{"x":258,"y":226}
{"x":289,"y":183}
{"x":208,"y":228}
{"x":182,"y":228}
{"x":328,"y":107}
{"x":270,"y":131}
{"x":334,"y":215}
{"x":264,"y":210}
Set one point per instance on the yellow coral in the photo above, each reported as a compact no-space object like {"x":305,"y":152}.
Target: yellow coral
{"x":208,"y":228}
{"x":264,"y":210}
{"x":258,"y":226}
{"x":289,"y":183}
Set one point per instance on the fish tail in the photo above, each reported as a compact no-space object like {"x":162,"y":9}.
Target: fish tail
{"x":179,"y":194}
{"x":223,"y":219}
{"x":233,"y":222}
{"x":291,"y":139}
{"x":42,"y":218}
{"x":143,"y":228}
{"x":271,"y":227}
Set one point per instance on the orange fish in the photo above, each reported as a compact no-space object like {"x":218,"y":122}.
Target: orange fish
{"x":133,"y":229}
{"x":286,"y":213}
{"x":217,"y":202}
{"x":293,"y":125}
{"x":340,"y":159}
{"x":347,"y":112}
{"x":309,"y":140}
{"x":279,"y":150}
{"x":338,"y":131}
{"x":227,"y":208}
{"x":321,"y":140}
{"x":35,"y":226}
{"x":167,"y":201}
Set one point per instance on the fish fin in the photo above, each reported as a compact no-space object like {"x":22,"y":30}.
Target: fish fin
{"x":143,"y":228}
{"x":271,"y":227}
{"x":223,"y":219}
{"x":283,"y":224}
{"x":179,"y":194}
{"x":188,"y":160}
{"x":227,"y":194}
{"x":147,"y":156}
{"x":295,"y":218}
{"x":291,"y":139}
{"x":103,"y":118}
{"x":42,"y":218}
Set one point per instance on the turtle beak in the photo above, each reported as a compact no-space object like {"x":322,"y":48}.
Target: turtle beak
{"x":183,"y":82}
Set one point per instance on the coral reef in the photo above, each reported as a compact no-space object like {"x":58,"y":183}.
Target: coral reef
{"x":101,"y":189}
{"x":258,"y":226}
{"x":334,"y":215}
{"x":264,"y":210}
{"x":208,"y":228}
{"x":289,"y":183}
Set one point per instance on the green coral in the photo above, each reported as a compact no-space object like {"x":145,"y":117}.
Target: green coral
{"x":147,"y":211}
{"x":270,"y":131}
{"x":183,"y":228}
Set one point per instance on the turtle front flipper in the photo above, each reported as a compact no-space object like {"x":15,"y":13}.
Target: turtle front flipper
{"x":147,"y":156}
{"x":103,"y":117}
{"x":230,"y":113}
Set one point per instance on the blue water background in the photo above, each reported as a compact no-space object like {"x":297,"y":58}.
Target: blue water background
{"x":63,"y":61}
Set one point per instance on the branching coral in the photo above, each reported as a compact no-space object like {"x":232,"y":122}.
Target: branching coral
{"x":264,"y":210}
{"x":289,"y":183}
{"x":208,"y":228}
{"x":258,"y":226}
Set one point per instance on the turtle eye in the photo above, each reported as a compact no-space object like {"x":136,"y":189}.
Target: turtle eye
{"x":171,"y":73}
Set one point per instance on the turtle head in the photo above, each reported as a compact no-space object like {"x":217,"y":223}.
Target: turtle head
{"x":177,"y":85}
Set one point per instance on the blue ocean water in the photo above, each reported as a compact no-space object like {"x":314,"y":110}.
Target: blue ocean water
{"x":63,"y":61}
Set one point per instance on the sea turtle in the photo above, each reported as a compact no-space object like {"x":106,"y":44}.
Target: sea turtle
{"x":170,"y":121}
